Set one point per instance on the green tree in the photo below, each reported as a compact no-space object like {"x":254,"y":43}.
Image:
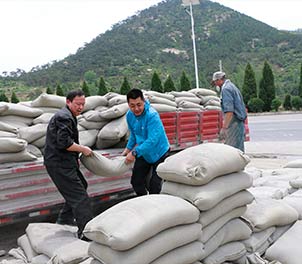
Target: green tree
{"x":300,"y":84}
{"x":169,"y":85}
{"x":14,"y":99}
{"x":255,"y":105}
{"x":3,"y":97}
{"x":125,"y":88}
{"x":156,"y":83}
{"x":85,"y":89}
{"x":297,"y":102}
{"x":59,"y":90}
{"x":185,"y":84}
{"x":276,"y":103}
{"x":102,"y":89}
{"x":90,"y":76}
{"x":249,"y":88}
{"x":287,"y":105}
{"x":267,"y":88}
{"x":49,"y":90}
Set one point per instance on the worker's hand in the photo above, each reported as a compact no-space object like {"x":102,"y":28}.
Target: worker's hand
{"x":223,"y":134}
{"x":86,"y":151}
{"x":125,"y":152}
{"x":129,"y":158}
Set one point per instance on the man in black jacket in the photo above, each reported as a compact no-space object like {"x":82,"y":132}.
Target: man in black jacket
{"x":61,"y":155}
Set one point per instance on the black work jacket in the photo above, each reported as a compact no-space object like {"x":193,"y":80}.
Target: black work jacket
{"x":62,"y":132}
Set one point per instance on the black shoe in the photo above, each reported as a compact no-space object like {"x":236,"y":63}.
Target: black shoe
{"x":82,"y":237}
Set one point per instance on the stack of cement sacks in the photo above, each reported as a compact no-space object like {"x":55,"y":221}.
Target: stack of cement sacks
{"x":211,"y":177}
{"x":157,"y":229}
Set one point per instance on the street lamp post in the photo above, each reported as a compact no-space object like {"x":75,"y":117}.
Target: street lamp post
{"x":185,"y":4}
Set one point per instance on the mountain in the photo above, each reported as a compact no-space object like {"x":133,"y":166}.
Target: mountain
{"x":159,"y":39}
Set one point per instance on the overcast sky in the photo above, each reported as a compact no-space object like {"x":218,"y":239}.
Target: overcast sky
{"x":35,"y":32}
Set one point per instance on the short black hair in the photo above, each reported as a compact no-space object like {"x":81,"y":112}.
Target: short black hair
{"x":134,"y":94}
{"x":72,"y":94}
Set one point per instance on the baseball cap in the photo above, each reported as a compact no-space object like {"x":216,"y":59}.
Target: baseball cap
{"x":218,"y":75}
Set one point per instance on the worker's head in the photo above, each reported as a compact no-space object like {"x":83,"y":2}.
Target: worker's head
{"x":218,"y":78}
{"x":75,"y":100}
{"x":136,"y":101}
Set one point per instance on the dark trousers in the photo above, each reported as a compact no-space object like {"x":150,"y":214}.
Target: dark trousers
{"x":73,"y":187}
{"x":141,"y":180}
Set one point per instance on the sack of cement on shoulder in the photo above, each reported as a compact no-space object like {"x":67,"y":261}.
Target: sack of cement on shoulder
{"x":102,"y":166}
{"x":200,"y":164}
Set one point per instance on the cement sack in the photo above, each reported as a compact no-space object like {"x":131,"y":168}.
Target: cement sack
{"x":263,"y":214}
{"x":117,"y":100}
{"x":286,"y":173}
{"x":228,"y":252}
{"x":12,"y":145}
{"x":280,"y":230}
{"x":23,"y":155}
{"x":45,"y":238}
{"x":104,"y":143}
{"x":88,"y":137}
{"x":23,"y":242}
{"x":273,"y":181}
{"x":268,"y":192}
{"x":186,"y":104}
{"x":207,"y":196}
{"x":16,"y":121}
{"x":40,"y":259}
{"x":8,"y":128}
{"x":158,"y":94}
{"x":212,"y":103}
{"x":233,"y":230}
{"x":296,"y":183}
{"x":200,"y":164}
{"x":257,"y":239}
{"x":194,"y":100}
{"x":150,"y":249}
{"x":32,"y":133}
{"x":3,"y":107}
{"x":43,"y":119}
{"x":90,"y":125}
{"x":211,"y":229}
{"x":182,"y":94}
{"x":295,"y":201}
{"x":34,"y":150}
{"x":39,"y":143}
{"x":202,"y":92}
{"x":115,"y":129}
{"x":20,"y":110}
{"x":115,"y":111}
{"x":110,"y":95}
{"x":182,"y":109}
{"x":101,"y":108}
{"x":206,"y":99}
{"x":213,"y":107}
{"x":49,"y":100}
{"x":287,"y":249}
{"x":4,"y":134}
{"x":161,"y":108}
{"x":226,"y":205}
{"x":93,"y":116}
{"x":143,"y":217}
{"x":71,"y":253}
{"x":186,"y":254}
{"x":159,"y":100}
{"x":102,"y":166}
{"x":90,"y":261}
{"x":294,"y":164}
{"x":50,"y":110}
{"x":91,"y":102}
{"x":17,"y":254}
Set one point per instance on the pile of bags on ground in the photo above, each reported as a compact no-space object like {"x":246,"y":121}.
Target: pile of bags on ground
{"x":101,"y":125}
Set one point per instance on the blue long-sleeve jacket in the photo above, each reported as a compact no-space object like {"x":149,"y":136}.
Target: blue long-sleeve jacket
{"x":147,"y":133}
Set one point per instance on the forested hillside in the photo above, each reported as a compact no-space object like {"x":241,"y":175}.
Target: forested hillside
{"x":159,"y":39}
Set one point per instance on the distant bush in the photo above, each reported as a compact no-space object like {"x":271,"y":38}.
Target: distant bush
{"x":276,"y":103}
{"x":287,"y":105}
{"x":255,"y":105}
{"x":296,"y":102}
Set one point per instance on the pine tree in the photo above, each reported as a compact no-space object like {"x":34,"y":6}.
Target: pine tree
{"x":156,"y":83}
{"x":300,"y":84}
{"x":169,"y":85}
{"x":59,"y":90}
{"x":249,"y":89}
{"x":85,"y":89}
{"x":287,"y":104}
{"x":267,"y":87}
{"x":102,"y":89}
{"x":125,"y":88}
{"x":49,"y":90}
{"x":14,"y":99}
{"x":184,"y":82}
{"x":3,"y":97}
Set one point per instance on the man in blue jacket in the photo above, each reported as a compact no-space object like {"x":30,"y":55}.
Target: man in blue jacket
{"x":148,"y":144}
